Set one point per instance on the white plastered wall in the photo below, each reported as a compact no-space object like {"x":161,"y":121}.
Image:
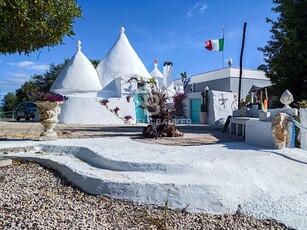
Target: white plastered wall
{"x":303,"y":133}
{"x":85,"y":110}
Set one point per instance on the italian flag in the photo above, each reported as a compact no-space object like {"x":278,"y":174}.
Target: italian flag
{"x":217,"y":44}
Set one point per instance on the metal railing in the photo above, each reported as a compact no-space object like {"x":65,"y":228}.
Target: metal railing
{"x":7,"y":116}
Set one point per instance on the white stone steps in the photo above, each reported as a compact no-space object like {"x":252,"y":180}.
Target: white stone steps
{"x":267,"y":183}
{"x":178,"y":190}
{"x":100,"y":161}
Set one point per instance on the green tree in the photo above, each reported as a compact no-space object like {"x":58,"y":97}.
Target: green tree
{"x":23,"y":92}
{"x":9,"y":102}
{"x":44,"y":81}
{"x":29,"y":25}
{"x":95,"y":63}
{"x":285,"y":54}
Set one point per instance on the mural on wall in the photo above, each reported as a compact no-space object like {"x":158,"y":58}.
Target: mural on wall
{"x":223,"y":100}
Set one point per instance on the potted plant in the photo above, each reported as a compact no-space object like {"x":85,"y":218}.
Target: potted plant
{"x":105,"y":102}
{"x":116,"y":110}
{"x":141,"y":84}
{"x":48,"y":108}
{"x":127,"y":119}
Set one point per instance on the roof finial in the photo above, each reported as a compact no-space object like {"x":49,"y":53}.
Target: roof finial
{"x":79,"y":46}
{"x":122,"y":29}
{"x":156,"y":63}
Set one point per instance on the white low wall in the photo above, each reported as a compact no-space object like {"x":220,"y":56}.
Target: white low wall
{"x":303,"y":133}
{"x":290,"y":111}
{"x":259,"y":133}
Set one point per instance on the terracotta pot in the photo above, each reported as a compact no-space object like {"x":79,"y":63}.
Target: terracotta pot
{"x":127,"y":122}
{"x":48,"y":112}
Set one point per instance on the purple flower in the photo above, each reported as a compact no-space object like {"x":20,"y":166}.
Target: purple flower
{"x":128,"y":117}
{"x":46,"y":96}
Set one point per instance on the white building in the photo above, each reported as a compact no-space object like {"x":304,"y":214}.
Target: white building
{"x":223,"y":80}
{"x":80,"y":83}
{"x":121,"y":61}
{"x":116,"y":72}
{"x":78,"y":77}
{"x":116,"y":79}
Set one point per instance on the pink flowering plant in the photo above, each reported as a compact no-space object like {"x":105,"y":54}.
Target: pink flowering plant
{"x":105,"y":102}
{"x":47,"y":96}
{"x":178,"y":103}
{"x":116,"y":109}
{"x":128,"y":117}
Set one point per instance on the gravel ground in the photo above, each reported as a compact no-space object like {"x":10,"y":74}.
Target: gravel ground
{"x":34,"y":197}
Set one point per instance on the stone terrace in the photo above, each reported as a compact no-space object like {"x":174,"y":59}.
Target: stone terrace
{"x":193,"y":134}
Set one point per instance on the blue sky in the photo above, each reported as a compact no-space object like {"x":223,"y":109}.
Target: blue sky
{"x":173,"y":30}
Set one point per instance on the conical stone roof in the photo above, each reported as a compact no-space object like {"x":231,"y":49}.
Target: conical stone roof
{"x":157,"y":74}
{"x":78,"y":76}
{"x":121,"y":61}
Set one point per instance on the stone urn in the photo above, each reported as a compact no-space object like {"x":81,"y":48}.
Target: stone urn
{"x":48,"y":112}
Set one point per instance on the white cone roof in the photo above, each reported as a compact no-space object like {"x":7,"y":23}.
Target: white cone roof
{"x":156,"y":72}
{"x":121,"y":61}
{"x":78,"y":76}
{"x":157,"y":75}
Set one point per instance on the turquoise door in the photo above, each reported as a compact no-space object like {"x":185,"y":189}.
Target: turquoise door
{"x":141,"y":114}
{"x":195,"y":110}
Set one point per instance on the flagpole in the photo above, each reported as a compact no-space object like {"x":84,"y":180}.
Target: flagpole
{"x":241,"y":63}
{"x":223,"y":48}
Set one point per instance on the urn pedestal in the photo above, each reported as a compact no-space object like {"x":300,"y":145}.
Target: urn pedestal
{"x":203,"y":117}
{"x":48,"y":112}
